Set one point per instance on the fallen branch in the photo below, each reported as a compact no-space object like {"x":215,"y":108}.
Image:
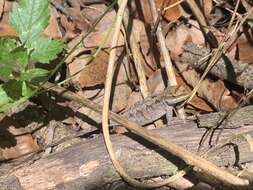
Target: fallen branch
{"x":87,"y":166}
{"x":226,"y":68}
{"x":190,"y":158}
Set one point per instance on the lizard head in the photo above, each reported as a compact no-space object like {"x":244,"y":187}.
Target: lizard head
{"x":175,"y":94}
{"x":177,"y":91}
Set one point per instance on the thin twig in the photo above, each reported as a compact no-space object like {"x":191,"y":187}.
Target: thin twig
{"x":164,"y":50}
{"x":234,"y":14}
{"x":136,"y":54}
{"x":173,"y":5}
{"x":138,"y":65}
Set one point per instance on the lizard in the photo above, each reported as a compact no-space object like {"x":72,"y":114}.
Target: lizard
{"x":154,"y":107}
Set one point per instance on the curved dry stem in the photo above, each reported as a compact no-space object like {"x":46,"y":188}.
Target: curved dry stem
{"x":105,"y":111}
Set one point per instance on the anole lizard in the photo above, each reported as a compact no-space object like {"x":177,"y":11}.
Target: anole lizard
{"x":154,"y":107}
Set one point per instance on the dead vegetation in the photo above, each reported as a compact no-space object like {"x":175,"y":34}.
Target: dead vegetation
{"x":120,"y":57}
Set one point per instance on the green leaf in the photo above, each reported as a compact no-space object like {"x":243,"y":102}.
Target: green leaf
{"x":13,"y":89}
{"x":7,"y":44}
{"x":27,"y":90}
{"x":12,"y":104}
{"x":29,"y":18}
{"x":32,"y":74}
{"x":4,"y":98}
{"x":6,"y":94}
{"x":5,"y":71}
{"x":11,"y":50}
{"x":45,"y":49}
{"x":6,"y":61}
{"x":20,"y":56}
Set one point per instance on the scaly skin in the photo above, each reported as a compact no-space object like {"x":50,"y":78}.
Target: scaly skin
{"x":154,"y":107}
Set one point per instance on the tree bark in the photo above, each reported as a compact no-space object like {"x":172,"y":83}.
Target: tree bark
{"x":87,"y":165}
{"x":226,"y":68}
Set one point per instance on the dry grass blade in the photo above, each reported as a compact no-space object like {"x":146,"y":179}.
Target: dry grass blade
{"x":174,"y":4}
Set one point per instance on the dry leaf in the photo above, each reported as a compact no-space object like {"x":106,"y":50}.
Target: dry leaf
{"x":95,"y":38}
{"x":12,"y":143}
{"x":172,"y":13}
{"x":196,"y":34}
{"x":53,"y":29}
{"x":177,"y":38}
{"x":95,"y":72}
{"x":155,"y":82}
{"x":5,"y":27}
{"x":80,"y":21}
{"x":245,"y":49}
{"x":196,"y":101}
{"x":68,"y":27}
{"x":214,"y":92}
{"x":207,"y":6}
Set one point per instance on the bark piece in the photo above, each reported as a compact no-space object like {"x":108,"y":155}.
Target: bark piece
{"x":226,"y":68}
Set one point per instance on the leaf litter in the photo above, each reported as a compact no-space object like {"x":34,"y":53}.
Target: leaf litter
{"x":67,"y":24}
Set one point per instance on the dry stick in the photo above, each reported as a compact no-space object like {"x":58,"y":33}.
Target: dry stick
{"x":166,"y":56}
{"x":199,"y":15}
{"x":190,"y":158}
{"x":214,"y":59}
{"x":138,"y":65}
{"x":210,"y":38}
{"x":234,"y":14}
{"x":212,"y":41}
{"x":230,"y":114}
{"x":164,"y":50}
